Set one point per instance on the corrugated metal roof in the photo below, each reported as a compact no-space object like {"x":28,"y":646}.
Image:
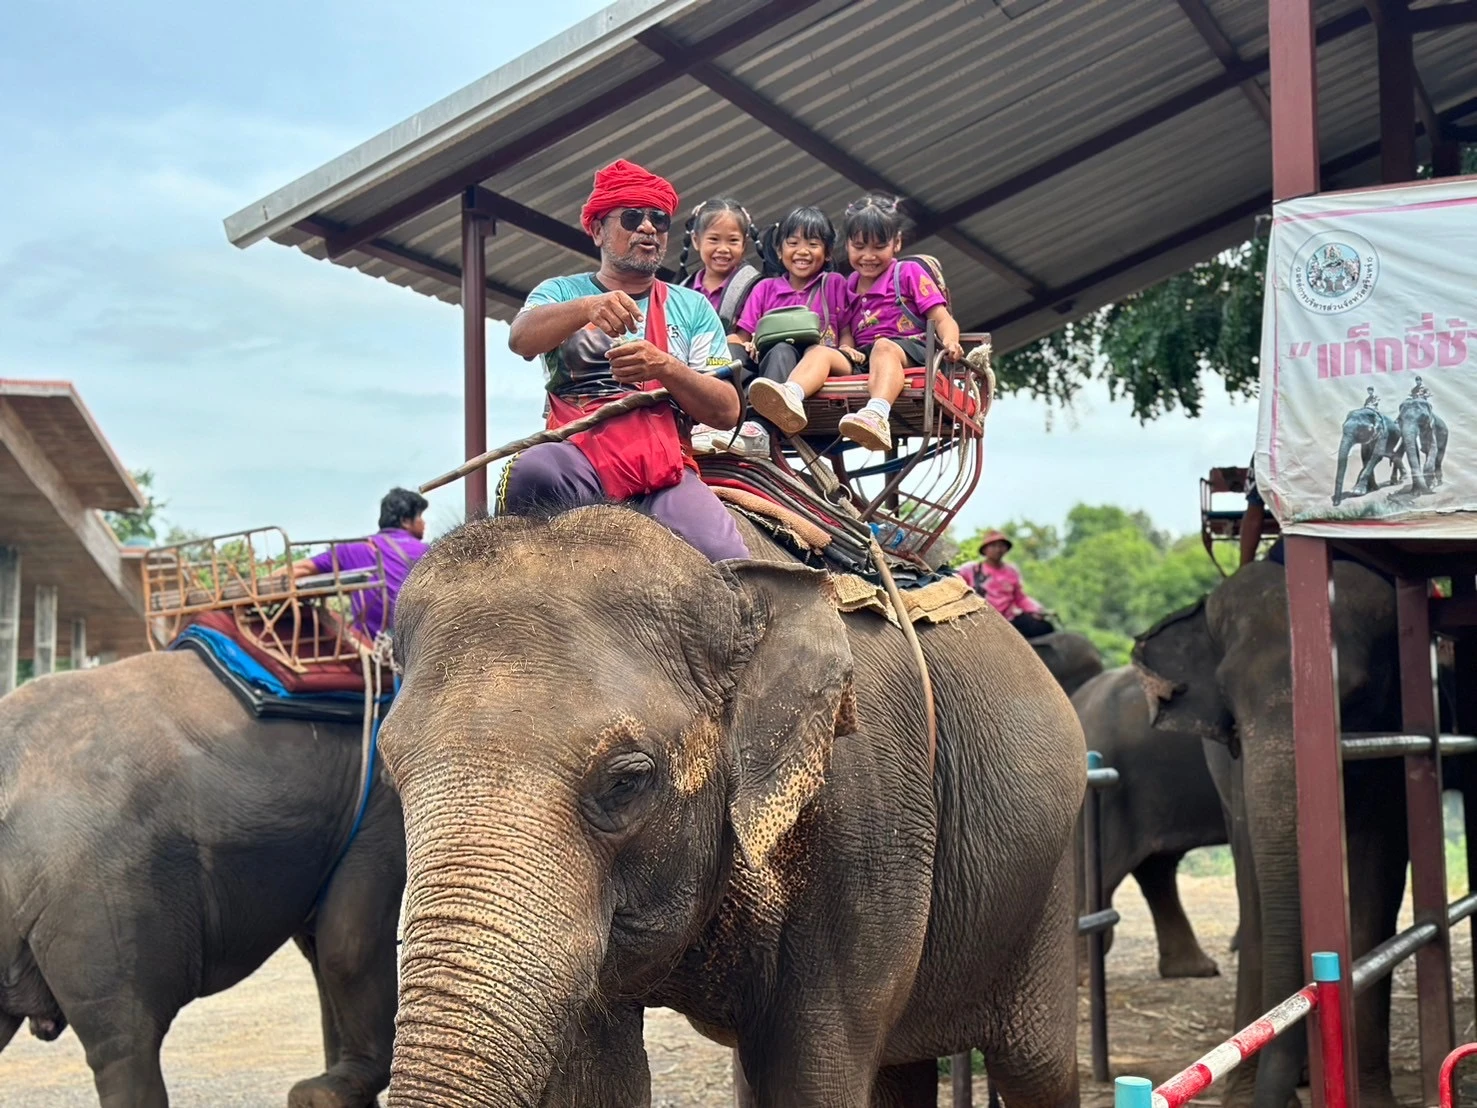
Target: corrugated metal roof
{"x":1083,"y":148}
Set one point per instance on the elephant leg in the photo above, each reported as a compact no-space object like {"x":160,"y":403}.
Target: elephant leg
{"x":1179,"y":952}
{"x":915,"y":1085}
{"x":1411,"y":436}
{"x":1229,"y":780}
{"x":121,"y":1031}
{"x":1366,"y":480}
{"x":1346,"y":443}
{"x":1440,"y":435}
{"x":1376,"y":888}
{"x":353,"y":939}
{"x":1030,"y":1043}
{"x":9,"y":1025}
{"x":327,"y":1018}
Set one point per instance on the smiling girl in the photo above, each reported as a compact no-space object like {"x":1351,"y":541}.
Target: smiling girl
{"x":721,"y":229}
{"x":889,"y":307}
{"x":788,"y":376}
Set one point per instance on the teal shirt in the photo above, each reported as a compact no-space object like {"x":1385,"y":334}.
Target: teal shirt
{"x":578,"y":369}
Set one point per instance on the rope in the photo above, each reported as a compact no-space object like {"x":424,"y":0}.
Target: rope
{"x":557,"y":434}
{"x":369,"y":663}
{"x":906,"y":621}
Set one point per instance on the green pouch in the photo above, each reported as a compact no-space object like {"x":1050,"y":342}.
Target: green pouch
{"x":800,"y":327}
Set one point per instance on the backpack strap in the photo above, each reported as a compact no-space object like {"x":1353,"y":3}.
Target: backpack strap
{"x":736,"y":295}
{"x":897,"y":291}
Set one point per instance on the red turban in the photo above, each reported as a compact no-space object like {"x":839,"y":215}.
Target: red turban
{"x":624,"y":184}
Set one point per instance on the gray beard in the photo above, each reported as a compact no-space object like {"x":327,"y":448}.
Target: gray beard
{"x":631,"y":262}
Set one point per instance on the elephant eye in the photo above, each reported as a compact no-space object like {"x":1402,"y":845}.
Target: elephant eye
{"x":622,"y":781}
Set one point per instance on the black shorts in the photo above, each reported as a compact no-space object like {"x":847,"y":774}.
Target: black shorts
{"x":915,"y":354}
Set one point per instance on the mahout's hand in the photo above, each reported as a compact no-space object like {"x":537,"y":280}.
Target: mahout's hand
{"x":615,"y":313}
{"x":633,"y":363}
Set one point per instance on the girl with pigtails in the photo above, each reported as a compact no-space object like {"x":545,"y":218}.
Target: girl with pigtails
{"x":888,"y":306}
{"x":722,"y":230}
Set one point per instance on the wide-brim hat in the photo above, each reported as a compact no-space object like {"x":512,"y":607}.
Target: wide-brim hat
{"x":996,"y":536}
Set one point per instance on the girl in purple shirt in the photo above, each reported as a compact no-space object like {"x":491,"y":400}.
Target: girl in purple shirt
{"x":722,"y":229}
{"x":788,"y":376}
{"x":890,"y":306}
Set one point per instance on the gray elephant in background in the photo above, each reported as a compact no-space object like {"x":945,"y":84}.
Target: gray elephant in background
{"x":1164,"y":805}
{"x":1425,"y":437}
{"x":635,"y":778}
{"x":1378,"y":437}
{"x":1071,"y":658}
{"x":1221,"y":670}
{"x":158,"y":843}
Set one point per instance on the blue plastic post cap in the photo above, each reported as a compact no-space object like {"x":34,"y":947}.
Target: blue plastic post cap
{"x":1133,"y":1092}
{"x":1094,"y":760}
{"x":1326,"y":966}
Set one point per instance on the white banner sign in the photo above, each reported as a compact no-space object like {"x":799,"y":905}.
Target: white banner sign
{"x":1368,"y":421}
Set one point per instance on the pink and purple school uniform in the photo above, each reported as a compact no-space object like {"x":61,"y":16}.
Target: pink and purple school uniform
{"x":825,"y":295}
{"x":875,"y":314}
{"x":715,"y":297}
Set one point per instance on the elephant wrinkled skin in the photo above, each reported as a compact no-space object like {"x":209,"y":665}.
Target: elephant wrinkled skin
{"x":1221,"y":670}
{"x":1071,"y":658}
{"x":1164,"y":805}
{"x":158,"y":843}
{"x":635,"y":778}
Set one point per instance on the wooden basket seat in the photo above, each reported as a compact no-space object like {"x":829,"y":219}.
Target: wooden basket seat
{"x":1226,"y":524}
{"x":841,"y":395}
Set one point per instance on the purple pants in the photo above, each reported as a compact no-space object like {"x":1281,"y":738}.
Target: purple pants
{"x":556,"y":475}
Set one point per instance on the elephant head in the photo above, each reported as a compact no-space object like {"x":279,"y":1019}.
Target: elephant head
{"x":1221,"y":669}
{"x":1072,"y":658}
{"x":602,"y":744}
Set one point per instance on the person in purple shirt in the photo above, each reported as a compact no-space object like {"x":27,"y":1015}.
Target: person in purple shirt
{"x":396,"y":546}
{"x":787,"y":375}
{"x":889,"y":306}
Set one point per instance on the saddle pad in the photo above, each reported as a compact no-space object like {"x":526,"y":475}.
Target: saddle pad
{"x":321,"y":677}
{"x":941,"y":601}
{"x":804,"y":530}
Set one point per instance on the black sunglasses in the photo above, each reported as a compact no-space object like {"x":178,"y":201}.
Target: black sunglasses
{"x":632,"y":218}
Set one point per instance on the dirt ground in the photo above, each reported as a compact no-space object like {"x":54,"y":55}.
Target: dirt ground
{"x":245,"y":1047}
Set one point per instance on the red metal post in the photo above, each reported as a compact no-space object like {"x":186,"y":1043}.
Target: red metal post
{"x":1294,"y":76}
{"x":1322,"y":851}
{"x":1397,"y":91}
{"x":474,"y":346}
{"x":1327,"y":978}
{"x":1464,"y":661}
{"x":1426,"y":828}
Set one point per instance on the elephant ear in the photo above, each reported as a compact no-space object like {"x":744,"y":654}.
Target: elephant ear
{"x":792,"y":696}
{"x":1176,"y":660}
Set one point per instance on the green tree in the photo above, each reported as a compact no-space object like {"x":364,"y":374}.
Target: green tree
{"x":1158,"y":347}
{"x":142,"y":523}
{"x":1113,"y":576}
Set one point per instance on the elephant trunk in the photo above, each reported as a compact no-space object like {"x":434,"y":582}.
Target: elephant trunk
{"x":504,"y":937}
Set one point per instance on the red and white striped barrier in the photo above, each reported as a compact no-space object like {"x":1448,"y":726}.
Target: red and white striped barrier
{"x":1324,"y":994}
{"x":1194,"y":1080}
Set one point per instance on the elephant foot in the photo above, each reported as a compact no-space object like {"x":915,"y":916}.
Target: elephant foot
{"x":1192,"y":963}
{"x":328,"y":1091}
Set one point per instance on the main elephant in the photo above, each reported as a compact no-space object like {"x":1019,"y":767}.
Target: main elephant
{"x":1071,"y":658}
{"x":1164,"y":805}
{"x":158,"y":843}
{"x":1378,"y":437}
{"x":635,"y":778}
{"x":1425,"y":435}
{"x":1221,"y":670}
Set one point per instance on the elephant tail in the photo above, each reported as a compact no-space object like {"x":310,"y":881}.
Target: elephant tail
{"x":24,"y":994}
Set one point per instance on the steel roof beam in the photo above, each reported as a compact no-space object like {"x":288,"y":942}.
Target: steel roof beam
{"x":1441,"y":16}
{"x":423,"y":264}
{"x":1225,"y":51}
{"x":1130,"y":128}
{"x":507,"y":210}
{"x":1393,"y":18}
{"x":568,"y":123}
{"x":1060,"y":299}
{"x":771,"y":115}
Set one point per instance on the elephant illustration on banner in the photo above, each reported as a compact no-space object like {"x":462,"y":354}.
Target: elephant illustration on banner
{"x":1378,"y":437}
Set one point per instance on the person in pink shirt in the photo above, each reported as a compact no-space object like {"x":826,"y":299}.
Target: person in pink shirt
{"x":1000,"y":585}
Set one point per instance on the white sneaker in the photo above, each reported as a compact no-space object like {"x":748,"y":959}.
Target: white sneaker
{"x":778,"y":405}
{"x":752,"y":440}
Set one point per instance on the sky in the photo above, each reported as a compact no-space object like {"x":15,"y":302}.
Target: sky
{"x":263,"y":387}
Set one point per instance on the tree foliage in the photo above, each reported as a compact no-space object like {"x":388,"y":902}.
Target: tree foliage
{"x":1159,"y":347}
{"x":143,"y":523}
{"x":1110,"y":575}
